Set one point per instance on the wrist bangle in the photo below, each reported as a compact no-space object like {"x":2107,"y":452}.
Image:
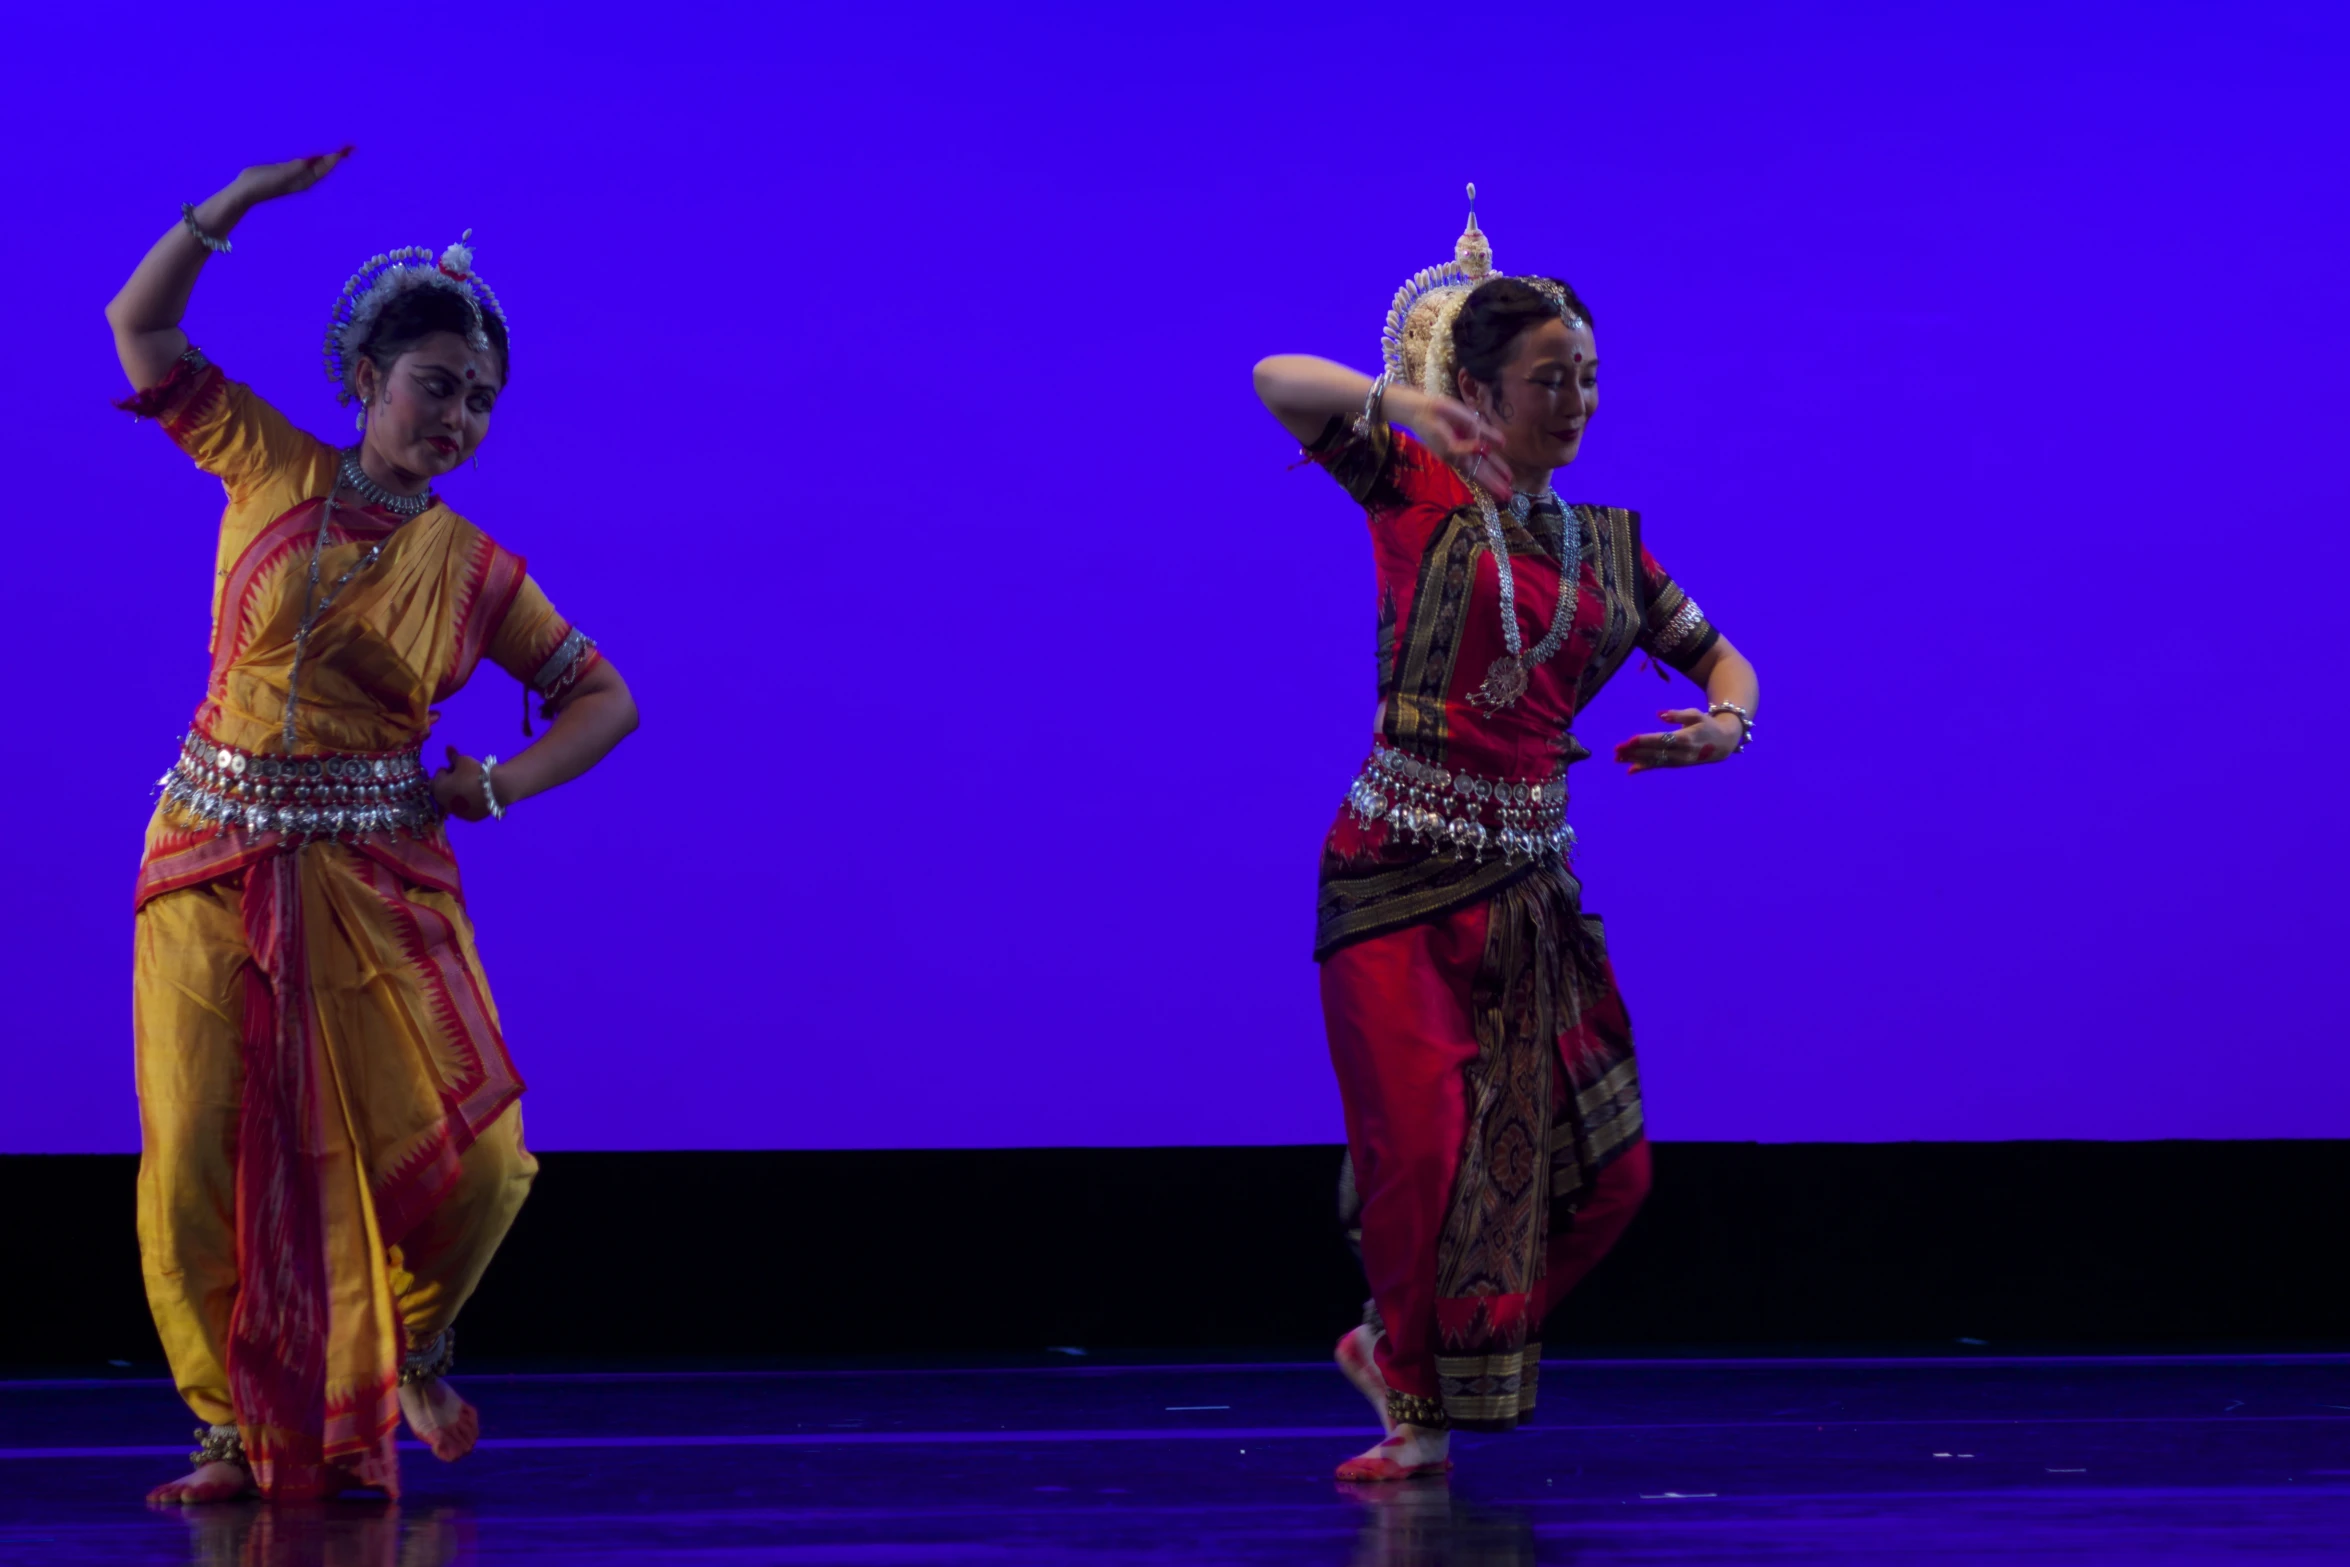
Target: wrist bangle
{"x":219,"y":247}
{"x":1372,"y":405}
{"x":489,"y":795}
{"x":1745,"y":722}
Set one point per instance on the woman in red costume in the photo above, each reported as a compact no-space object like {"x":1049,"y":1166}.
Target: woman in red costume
{"x":1485,"y":1059}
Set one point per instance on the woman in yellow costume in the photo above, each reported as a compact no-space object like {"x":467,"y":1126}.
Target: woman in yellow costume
{"x":332,"y":1144}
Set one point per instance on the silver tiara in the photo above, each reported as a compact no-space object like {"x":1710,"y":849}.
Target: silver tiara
{"x":388,"y":276}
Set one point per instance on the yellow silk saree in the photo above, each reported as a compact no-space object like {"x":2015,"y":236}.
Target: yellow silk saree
{"x":331,"y":1147}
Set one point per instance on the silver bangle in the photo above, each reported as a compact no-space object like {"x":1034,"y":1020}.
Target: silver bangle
{"x":489,"y":795}
{"x":219,"y":247}
{"x":1372,"y":403}
{"x":1745,"y":722}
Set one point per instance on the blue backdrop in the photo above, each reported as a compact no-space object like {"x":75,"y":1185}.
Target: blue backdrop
{"x":881,"y":401}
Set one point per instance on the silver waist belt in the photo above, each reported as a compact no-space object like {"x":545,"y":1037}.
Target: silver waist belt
{"x":325,"y":796}
{"x":1516,"y":819}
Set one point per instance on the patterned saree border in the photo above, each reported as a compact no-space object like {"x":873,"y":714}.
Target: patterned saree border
{"x":1356,"y":908}
{"x":360,"y":1422}
{"x":1621,"y":1079}
{"x":1659,"y":612}
{"x":429,"y":941}
{"x":279,"y":1325}
{"x":406,"y":1194}
{"x":493,"y":576}
{"x":1357,"y":462}
{"x":1612,"y":550}
{"x":1492,"y":1244}
{"x":426,"y":862}
{"x":271,"y":547}
{"x":189,"y":860}
{"x":357,"y":1443}
{"x":221,"y":851}
{"x":1490,"y":1392}
{"x":284,"y":539}
{"x":409,"y":1191}
{"x":199,"y":403}
{"x":1416,"y":719}
{"x":180,"y":398}
{"x":1608,"y":1120}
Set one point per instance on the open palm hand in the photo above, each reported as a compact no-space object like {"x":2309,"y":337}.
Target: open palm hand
{"x":268,"y":181}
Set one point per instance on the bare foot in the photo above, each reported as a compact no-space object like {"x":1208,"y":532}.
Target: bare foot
{"x":1358,"y":1358}
{"x":221,"y":1482}
{"x":441,"y":1420}
{"x":1407,"y":1453}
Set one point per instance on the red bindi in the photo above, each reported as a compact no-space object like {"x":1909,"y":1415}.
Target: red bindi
{"x":469,"y":369}
{"x":1578,"y":360}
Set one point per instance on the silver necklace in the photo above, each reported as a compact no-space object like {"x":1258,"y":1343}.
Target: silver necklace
{"x":1506,"y":680}
{"x":354,"y":478}
{"x":348,"y":475}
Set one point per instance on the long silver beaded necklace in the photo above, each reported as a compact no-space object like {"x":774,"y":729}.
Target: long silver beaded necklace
{"x":348,"y":476}
{"x":1506,"y":680}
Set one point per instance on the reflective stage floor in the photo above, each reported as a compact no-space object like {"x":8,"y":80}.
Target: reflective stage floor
{"x":2117,"y":1460}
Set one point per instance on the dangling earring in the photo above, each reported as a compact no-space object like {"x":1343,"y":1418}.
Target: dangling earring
{"x":359,"y":420}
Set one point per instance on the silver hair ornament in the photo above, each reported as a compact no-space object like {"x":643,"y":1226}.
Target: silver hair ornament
{"x":385,"y":278}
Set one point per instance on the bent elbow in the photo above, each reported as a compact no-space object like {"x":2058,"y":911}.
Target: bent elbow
{"x":1265,"y":376}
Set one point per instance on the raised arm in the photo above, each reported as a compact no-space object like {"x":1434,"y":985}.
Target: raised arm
{"x":146,"y":314}
{"x":1306,"y":393}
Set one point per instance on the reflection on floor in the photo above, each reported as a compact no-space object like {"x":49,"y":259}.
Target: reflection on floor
{"x":1932,"y":1461}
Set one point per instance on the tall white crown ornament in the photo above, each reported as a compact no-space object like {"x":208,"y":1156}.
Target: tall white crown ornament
{"x":385,"y":278}
{"x":1416,"y":342}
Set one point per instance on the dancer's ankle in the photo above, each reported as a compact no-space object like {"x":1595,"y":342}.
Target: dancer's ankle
{"x":217,"y":1471}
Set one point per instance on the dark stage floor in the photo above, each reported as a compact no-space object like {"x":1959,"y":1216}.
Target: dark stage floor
{"x":2119,"y":1460}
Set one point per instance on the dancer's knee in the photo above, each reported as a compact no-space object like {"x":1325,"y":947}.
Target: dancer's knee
{"x":496,"y":1172}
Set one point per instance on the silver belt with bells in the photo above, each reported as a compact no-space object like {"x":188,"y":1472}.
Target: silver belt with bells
{"x":326,"y":796}
{"x":1515,"y":819}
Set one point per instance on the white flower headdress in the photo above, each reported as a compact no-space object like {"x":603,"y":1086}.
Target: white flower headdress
{"x":1416,"y":342}
{"x":387,"y":277}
